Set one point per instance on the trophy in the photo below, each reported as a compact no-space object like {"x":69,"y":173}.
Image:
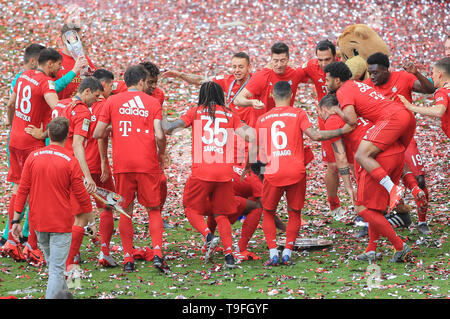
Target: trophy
{"x":75,"y":48}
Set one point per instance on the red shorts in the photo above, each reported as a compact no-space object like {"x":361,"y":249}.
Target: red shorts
{"x":163,"y":189}
{"x":206,"y":197}
{"x":295,"y":195}
{"x":372,"y":194}
{"x":251,"y":186}
{"x":146,"y":186}
{"x":240,"y":204}
{"x":108,"y":184}
{"x":400,"y":126}
{"x":413,"y":159}
{"x":17,"y":158}
{"x":327,"y":149}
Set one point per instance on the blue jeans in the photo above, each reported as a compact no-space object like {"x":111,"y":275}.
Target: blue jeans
{"x":55,"y":247}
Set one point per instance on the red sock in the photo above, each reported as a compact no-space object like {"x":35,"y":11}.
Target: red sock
{"x":126,"y":236}
{"x":32,"y":238}
{"x":292,"y":228}
{"x":249,"y":226}
{"x":197,"y":221}
{"x":211,"y":222}
{"x":373,"y":237}
{"x":409,"y":180}
{"x":77,"y":239}
{"x":423,"y":212}
{"x":334,"y":202}
{"x":155,"y":225}
{"x":381,"y":227}
{"x":224,"y":227}
{"x":269,"y":229}
{"x":425,"y":189}
{"x":11,"y":214}
{"x":106,"y":229}
{"x":378,"y":173}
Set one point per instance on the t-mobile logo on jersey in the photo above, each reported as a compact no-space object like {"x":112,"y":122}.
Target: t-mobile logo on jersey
{"x":125,"y":127}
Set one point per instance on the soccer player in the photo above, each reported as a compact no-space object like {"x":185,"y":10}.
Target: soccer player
{"x":68,"y":62}
{"x":213,"y":125}
{"x":313,"y":72}
{"x":35,"y":97}
{"x":135,"y":118}
{"x":391,"y":84}
{"x":50,"y":176}
{"x":441,"y":79}
{"x":280,"y":141}
{"x":98,"y":163}
{"x":372,"y":199}
{"x":392,"y":122}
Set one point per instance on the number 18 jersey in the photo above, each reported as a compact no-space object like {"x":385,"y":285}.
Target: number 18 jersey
{"x":280,"y":140}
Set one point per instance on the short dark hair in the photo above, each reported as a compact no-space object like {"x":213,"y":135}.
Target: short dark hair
{"x":329,"y":101}
{"x":49,"y":54}
{"x":282,"y":90}
{"x":326,"y":45}
{"x":32,"y":51}
{"x":279,"y":47}
{"x":151,"y":68}
{"x":70,"y":26}
{"x":58,"y":129}
{"x":338,"y":70}
{"x":242,"y":55}
{"x":379,"y":59}
{"x":103,"y":75}
{"x":444,"y":65}
{"x":134,"y":74}
{"x":90,"y":83}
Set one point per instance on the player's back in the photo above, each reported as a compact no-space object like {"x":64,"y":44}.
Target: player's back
{"x":132,"y":114}
{"x":280,"y":137}
{"x":31,"y":107}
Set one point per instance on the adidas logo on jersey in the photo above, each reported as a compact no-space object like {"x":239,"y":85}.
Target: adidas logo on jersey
{"x":134,"y":107}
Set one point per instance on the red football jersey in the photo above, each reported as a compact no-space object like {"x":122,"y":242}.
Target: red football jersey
{"x":245,"y":113}
{"x":314,"y":71}
{"x":91,"y":150}
{"x":31,"y":107}
{"x":212,"y":142}
{"x":120,"y":86}
{"x":442,"y":97}
{"x":68,"y":62}
{"x":280,"y":138}
{"x":49,"y":176}
{"x":400,"y":82}
{"x":262,"y":82}
{"x":131,"y":115}
{"x":79,"y":117}
{"x":368,"y":103}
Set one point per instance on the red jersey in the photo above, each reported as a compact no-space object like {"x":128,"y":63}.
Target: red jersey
{"x":312,"y":70}
{"x":120,"y":86}
{"x":442,"y":97}
{"x":131,"y":115}
{"x":400,"y":82}
{"x":280,"y":134}
{"x":368,"y":103}
{"x":262,"y":82}
{"x":91,"y":150}
{"x":79,"y":117}
{"x":68,"y":62}
{"x":231,"y":88}
{"x":31,"y":107}
{"x":212,"y":142}
{"x":49,"y":176}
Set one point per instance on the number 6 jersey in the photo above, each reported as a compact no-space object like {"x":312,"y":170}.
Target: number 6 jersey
{"x":31,"y":107}
{"x":280,"y":141}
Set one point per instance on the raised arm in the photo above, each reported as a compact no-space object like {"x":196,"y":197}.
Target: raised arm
{"x":170,"y":127}
{"x":189,"y":78}
{"x":317,"y":135}
{"x":433,"y":111}
{"x":422,"y":84}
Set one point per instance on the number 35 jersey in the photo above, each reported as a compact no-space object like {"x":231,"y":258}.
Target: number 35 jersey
{"x":280,"y":140}
{"x":131,"y":115}
{"x":212,"y":142}
{"x":31,"y":107}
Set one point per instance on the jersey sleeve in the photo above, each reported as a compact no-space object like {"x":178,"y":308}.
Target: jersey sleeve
{"x":221,"y":80}
{"x":62,"y":82}
{"x":334,"y":123}
{"x":303,"y":72}
{"x":305,"y":123}
{"x":81,"y":123}
{"x":188,"y":118}
{"x":157,"y":109}
{"x":47,"y":86}
{"x":440,"y":98}
{"x":410,"y":79}
{"x":345,"y":98}
{"x":256,"y":84}
{"x":105,"y":112}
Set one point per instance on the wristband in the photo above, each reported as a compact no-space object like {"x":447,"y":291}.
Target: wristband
{"x":91,"y":224}
{"x":15,"y":221}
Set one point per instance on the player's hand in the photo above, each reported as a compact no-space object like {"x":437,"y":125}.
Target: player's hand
{"x":164,"y":160}
{"x":90,"y":185}
{"x":257,"y":104}
{"x":404,"y":101}
{"x":36,"y":132}
{"x":80,"y":63}
{"x":16,"y":230}
{"x":105,"y":171}
{"x":171,"y":74}
{"x":410,"y":67}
